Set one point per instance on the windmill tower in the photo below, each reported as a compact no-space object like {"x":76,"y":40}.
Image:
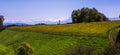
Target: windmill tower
{"x":119,"y":16}
{"x":59,"y":22}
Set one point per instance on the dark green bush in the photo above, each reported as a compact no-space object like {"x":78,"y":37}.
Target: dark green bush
{"x":118,"y":37}
{"x":24,"y":49}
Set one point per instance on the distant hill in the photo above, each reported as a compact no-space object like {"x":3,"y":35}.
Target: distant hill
{"x":17,"y":24}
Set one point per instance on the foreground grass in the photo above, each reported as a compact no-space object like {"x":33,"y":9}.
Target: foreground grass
{"x":59,"y":39}
{"x":4,"y":50}
{"x":45,"y":44}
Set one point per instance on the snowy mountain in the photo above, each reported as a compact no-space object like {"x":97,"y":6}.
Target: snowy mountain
{"x":113,"y":19}
{"x":32,"y":22}
{"x":16,"y":24}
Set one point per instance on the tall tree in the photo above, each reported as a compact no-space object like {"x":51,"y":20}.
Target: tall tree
{"x":87,"y":15}
{"x":1,"y":22}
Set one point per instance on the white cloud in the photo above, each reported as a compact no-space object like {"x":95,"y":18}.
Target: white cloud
{"x":56,"y":19}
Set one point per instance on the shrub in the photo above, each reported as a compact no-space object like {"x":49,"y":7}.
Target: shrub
{"x":118,"y":37}
{"x":24,"y":49}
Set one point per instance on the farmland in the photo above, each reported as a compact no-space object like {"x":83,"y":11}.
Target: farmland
{"x":59,"y":39}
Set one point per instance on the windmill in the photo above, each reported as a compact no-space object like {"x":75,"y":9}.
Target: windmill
{"x":59,"y":22}
{"x":119,"y":16}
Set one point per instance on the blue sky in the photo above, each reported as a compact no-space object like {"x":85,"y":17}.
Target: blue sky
{"x":53,"y":10}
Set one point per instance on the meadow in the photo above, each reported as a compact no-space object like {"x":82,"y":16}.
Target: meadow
{"x":75,"y":29}
{"x":59,"y":39}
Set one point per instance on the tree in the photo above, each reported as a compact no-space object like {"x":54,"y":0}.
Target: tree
{"x":87,"y":15}
{"x":24,"y":49}
{"x":1,"y":22}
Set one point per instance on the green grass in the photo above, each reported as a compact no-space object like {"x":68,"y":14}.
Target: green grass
{"x":59,"y":39}
{"x":91,"y":28}
{"x":45,"y":44}
{"x":6,"y":50}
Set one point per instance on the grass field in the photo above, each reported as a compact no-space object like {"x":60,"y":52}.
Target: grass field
{"x":4,"y":50}
{"x":59,"y":39}
{"x":90,"y":28}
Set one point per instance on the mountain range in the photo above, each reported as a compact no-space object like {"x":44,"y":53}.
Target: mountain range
{"x":69,"y":20}
{"x":20,"y":23}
